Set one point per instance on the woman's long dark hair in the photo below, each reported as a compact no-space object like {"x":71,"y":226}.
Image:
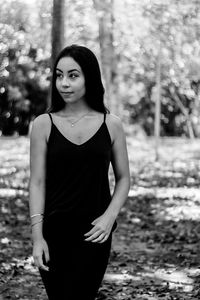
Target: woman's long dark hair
{"x":88,"y":62}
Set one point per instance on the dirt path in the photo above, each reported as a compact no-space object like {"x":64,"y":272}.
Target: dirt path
{"x":155,"y":252}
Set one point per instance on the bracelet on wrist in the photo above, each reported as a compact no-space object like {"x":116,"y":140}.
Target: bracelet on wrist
{"x":36,"y":222}
{"x":35,"y":215}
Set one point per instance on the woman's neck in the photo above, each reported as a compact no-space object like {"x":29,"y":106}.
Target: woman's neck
{"x":76,"y":109}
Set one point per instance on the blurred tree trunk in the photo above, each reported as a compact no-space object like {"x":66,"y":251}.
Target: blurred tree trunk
{"x":105,"y":14}
{"x":57,"y":34}
{"x":57,"y":28}
{"x":196,"y":107}
{"x":158,"y":104}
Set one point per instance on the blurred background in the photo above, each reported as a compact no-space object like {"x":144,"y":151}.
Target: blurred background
{"x":149,"y":53}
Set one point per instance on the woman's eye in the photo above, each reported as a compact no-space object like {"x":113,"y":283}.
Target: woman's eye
{"x":73,"y":75}
{"x":58,"y":75}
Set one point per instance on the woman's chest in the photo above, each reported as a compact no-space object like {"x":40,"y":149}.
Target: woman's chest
{"x":96,"y":149}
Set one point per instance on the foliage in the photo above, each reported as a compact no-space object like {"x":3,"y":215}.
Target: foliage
{"x":26,"y":26}
{"x":24,"y":68}
{"x":174,"y":24}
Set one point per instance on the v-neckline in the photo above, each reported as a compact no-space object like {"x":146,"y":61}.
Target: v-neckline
{"x":78,"y":145}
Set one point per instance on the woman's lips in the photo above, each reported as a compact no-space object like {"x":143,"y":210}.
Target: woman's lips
{"x":66,"y":93}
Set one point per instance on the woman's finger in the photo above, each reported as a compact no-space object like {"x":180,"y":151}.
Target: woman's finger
{"x":93,"y":230}
{"x":104,"y":239}
{"x":35,"y":261}
{"x":44,"y":268}
{"x":46,"y":254}
{"x":39,"y":263}
{"x":94,"y":235}
{"x":99,"y":238}
{"x":95,"y":221}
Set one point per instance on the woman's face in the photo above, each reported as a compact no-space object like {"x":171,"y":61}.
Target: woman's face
{"x":70,"y":80}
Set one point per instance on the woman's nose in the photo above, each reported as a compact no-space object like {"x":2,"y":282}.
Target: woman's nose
{"x":65,"y":81}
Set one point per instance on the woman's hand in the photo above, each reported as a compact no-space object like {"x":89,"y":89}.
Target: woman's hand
{"x":101,"y":230}
{"x":40,"y":247}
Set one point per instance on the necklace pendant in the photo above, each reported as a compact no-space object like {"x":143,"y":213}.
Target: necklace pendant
{"x":72,"y":125}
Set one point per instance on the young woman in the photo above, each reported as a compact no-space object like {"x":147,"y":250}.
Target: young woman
{"x":72,"y":211}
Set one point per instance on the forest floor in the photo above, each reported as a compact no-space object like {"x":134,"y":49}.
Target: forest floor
{"x":156,"y":247}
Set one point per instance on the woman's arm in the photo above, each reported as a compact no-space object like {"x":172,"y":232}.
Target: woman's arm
{"x":38,"y":147}
{"x":103,"y":224}
{"x":121,"y":170}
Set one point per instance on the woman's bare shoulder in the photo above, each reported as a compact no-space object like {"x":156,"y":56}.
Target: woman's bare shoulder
{"x":114,"y":125}
{"x":114,"y":121}
{"x":41,"y":125}
{"x":41,"y":119}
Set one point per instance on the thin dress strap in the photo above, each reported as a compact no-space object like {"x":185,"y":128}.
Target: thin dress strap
{"x":104,"y":117}
{"x":51,"y":125}
{"x":50,"y":117}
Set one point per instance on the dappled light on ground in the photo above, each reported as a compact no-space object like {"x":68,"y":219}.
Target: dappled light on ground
{"x":176,"y":204}
{"x":119,"y":277}
{"x":177,"y":210}
{"x":175,"y":279}
{"x":156,"y":249}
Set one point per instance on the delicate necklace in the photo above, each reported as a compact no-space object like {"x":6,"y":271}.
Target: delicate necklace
{"x":73,"y":123}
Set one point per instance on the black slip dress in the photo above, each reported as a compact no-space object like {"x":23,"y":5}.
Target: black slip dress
{"x":76,"y":192}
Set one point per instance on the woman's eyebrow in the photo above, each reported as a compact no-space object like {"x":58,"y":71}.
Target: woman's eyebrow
{"x":72,"y":70}
{"x":59,"y":70}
